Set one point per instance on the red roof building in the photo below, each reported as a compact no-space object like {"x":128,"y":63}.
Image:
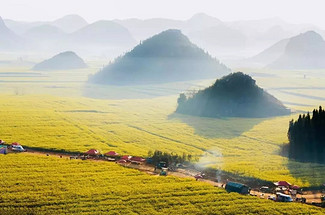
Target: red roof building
{"x":111,"y":153}
{"x":282,"y":183}
{"x":137,"y":159}
{"x":295,"y":187}
{"x":126,"y":157}
{"x":92,"y":152}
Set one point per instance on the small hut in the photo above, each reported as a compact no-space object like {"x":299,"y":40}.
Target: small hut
{"x":137,"y":160}
{"x":92,"y":152}
{"x":111,"y":154}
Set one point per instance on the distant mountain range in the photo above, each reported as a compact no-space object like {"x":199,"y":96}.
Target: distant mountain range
{"x":165,"y":57}
{"x":219,"y":38}
{"x":304,"y":51}
{"x":234,"y":95}
{"x":63,"y":61}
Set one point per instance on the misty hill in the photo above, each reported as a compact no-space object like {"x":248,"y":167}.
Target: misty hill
{"x":142,"y":29}
{"x":44,"y":32}
{"x":201,"y":21}
{"x":305,"y":51}
{"x":271,"y":54}
{"x":62,"y":61}
{"x":70,"y":23}
{"x":8,"y":39}
{"x":165,"y":57}
{"x":101,"y":33}
{"x":219,"y":38}
{"x":234,"y":95}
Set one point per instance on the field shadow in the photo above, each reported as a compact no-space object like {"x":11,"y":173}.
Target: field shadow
{"x":217,"y":127}
{"x":307,"y":172}
{"x":310,"y":173}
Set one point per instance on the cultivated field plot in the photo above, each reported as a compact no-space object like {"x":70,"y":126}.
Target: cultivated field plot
{"x":58,"y":117}
{"x":48,"y":185}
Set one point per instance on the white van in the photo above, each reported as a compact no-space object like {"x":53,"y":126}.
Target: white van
{"x":17,"y":148}
{"x":280,"y":197}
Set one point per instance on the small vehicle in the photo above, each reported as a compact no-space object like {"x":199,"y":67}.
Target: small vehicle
{"x":163,"y":172}
{"x":161,"y":165}
{"x":265,"y":189}
{"x":17,"y":148}
{"x":280,"y":197}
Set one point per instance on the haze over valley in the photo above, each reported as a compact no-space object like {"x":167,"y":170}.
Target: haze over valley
{"x":162,"y":107}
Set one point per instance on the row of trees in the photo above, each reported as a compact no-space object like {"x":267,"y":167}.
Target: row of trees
{"x":169,"y":158}
{"x":307,"y":137}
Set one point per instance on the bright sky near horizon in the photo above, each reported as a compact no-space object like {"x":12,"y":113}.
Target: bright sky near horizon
{"x":293,"y":11}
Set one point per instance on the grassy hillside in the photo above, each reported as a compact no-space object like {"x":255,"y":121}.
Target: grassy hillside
{"x":48,"y":185}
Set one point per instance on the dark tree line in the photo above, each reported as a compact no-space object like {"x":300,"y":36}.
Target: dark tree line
{"x":307,"y":137}
{"x":169,"y":158}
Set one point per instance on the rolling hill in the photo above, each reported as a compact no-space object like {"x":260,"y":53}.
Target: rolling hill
{"x":102,"y":33}
{"x":70,"y":23}
{"x":165,"y":57}
{"x":8,"y":39}
{"x":305,"y":51}
{"x":62,"y":61}
{"x":234,"y":95}
{"x":271,"y":54}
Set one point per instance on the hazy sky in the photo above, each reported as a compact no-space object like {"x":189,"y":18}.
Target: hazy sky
{"x":294,"y":11}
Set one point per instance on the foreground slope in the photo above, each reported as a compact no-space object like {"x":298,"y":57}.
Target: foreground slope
{"x":234,"y":95}
{"x":48,"y":185}
{"x":166,"y":57}
{"x":64,"y":60}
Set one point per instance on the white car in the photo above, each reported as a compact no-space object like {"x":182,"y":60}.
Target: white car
{"x":17,"y":148}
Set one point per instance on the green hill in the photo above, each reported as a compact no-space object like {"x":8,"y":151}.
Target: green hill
{"x":234,"y":95}
{"x":165,"y":57}
{"x":62,"y":61}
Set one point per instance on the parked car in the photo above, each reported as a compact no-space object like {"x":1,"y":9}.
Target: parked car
{"x":17,"y":148}
{"x":280,"y":197}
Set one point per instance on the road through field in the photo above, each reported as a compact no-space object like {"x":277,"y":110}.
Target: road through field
{"x":183,"y":173}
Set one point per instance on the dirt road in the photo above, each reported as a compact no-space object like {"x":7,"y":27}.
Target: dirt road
{"x":184,"y":173}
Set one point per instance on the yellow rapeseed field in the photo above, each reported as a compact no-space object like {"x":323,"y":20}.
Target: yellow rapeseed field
{"x":36,"y":184}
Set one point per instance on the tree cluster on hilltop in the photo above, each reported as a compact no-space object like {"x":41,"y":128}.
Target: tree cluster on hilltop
{"x":234,"y":95}
{"x":307,"y":137}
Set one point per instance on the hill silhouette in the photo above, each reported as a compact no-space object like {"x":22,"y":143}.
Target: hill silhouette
{"x":70,"y":23}
{"x":272,"y":53}
{"x":234,"y":95}
{"x":219,"y":38}
{"x":102,"y":33}
{"x":165,"y":57}
{"x":8,"y":39}
{"x":62,"y":61}
{"x":305,"y":51}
